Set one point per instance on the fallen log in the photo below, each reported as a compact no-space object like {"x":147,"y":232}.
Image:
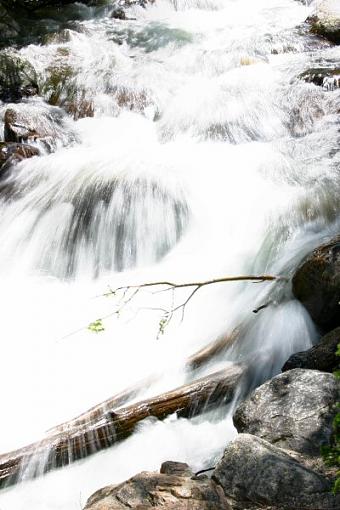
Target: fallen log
{"x":99,"y":410}
{"x":194,"y":362}
{"x":208,"y":352}
{"x":66,"y":447}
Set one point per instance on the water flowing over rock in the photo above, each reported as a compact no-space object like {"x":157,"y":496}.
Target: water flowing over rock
{"x":316,"y":284}
{"x":254,"y":470}
{"x":320,"y":357}
{"x":35,"y":121}
{"x":293,"y":410}
{"x":174,"y":488}
{"x":11,"y":153}
{"x":326,"y":77}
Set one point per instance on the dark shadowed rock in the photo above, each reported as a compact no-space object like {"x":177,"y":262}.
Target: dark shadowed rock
{"x":172,"y":489}
{"x":11,"y":153}
{"x":252,"y":469}
{"x":316,"y":284}
{"x":325,"y":77}
{"x":320,"y":357}
{"x":293,"y":410}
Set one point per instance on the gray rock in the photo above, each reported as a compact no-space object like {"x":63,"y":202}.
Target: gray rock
{"x":254,"y":470}
{"x":320,"y":357}
{"x":294,"y":410}
{"x":172,"y":489}
{"x":316,"y":284}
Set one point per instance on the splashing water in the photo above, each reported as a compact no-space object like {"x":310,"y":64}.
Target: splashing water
{"x":205,"y":157}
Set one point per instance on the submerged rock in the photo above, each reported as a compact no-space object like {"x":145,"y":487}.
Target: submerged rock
{"x":316,"y":284}
{"x":320,"y":357}
{"x":325,"y":77}
{"x":174,"y":488}
{"x":18,"y":78}
{"x":293,"y":410}
{"x":11,"y":153}
{"x":326,"y":21}
{"x":254,"y":470}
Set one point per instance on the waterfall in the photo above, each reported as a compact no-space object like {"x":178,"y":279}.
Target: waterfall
{"x":204,"y":156}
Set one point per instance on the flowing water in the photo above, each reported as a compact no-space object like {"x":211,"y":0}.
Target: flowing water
{"x":205,"y":157}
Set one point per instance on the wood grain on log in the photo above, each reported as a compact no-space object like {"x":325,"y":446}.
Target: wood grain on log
{"x":66,"y":447}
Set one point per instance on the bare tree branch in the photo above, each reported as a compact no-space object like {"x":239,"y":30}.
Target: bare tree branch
{"x":168,"y":313}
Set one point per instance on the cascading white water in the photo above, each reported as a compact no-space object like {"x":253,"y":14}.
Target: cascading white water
{"x":206,"y":157}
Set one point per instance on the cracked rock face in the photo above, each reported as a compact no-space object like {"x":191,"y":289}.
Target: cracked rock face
{"x":174,"y":488}
{"x":254,"y":470}
{"x":294,"y":410}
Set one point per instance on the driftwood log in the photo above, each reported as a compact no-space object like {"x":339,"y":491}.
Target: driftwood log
{"x":85,"y":439}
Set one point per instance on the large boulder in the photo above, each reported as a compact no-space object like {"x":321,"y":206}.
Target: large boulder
{"x":316,"y":284}
{"x":320,"y":357}
{"x":326,"y":21}
{"x":294,"y":410}
{"x":252,"y":469}
{"x":174,"y":488}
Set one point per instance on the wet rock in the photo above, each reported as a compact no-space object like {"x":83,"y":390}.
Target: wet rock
{"x":15,"y":131}
{"x":135,"y":100}
{"x":12,"y":153}
{"x":326,"y":21}
{"x":173,"y":489}
{"x":18,"y":78}
{"x":316,"y":284}
{"x":36,"y":121}
{"x":327,"y":78}
{"x":320,"y":357}
{"x":118,"y":13}
{"x":60,"y":88}
{"x":254,"y":470}
{"x":294,"y":410}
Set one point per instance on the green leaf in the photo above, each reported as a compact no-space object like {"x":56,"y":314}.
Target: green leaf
{"x":96,"y":326}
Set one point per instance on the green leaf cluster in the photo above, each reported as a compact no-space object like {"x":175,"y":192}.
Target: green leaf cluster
{"x":96,"y":326}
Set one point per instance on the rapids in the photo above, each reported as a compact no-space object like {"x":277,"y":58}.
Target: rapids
{"x":222,"y":164}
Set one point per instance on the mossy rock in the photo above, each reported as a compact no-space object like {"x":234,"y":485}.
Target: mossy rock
{"x":17,"y":78}
{"x":59,"y":85}
{"x":326,"y":21}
